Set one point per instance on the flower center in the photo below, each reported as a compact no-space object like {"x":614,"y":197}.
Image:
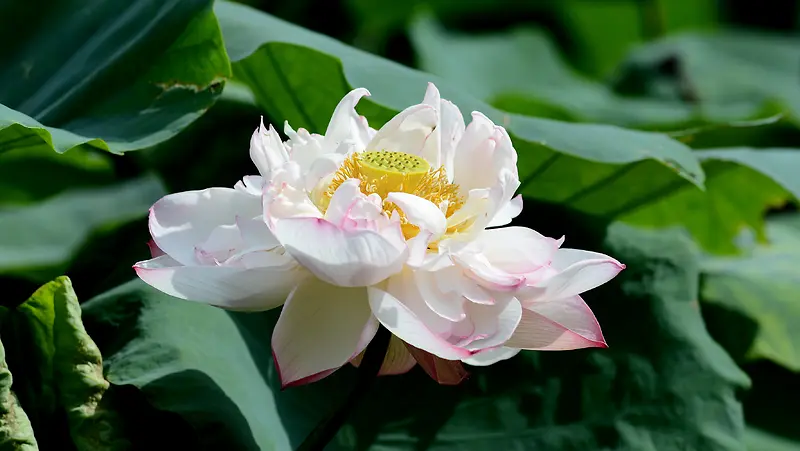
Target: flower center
{"x":385,"y":172}
{"x":394,"y":170}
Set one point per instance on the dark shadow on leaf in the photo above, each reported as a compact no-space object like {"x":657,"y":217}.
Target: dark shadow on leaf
{"x":733,"y":330}
{"x":772,"y":403}
{"x":203,"y":404}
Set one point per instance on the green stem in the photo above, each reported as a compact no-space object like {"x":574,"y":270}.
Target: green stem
{"x":324,"y":432}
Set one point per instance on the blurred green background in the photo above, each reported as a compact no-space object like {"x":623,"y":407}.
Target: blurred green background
{"x":662,"y":132}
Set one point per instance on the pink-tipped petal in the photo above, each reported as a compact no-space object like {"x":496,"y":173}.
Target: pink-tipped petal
{"x":348,"y":258}
{"x":155,"y":251}
{"x":180,"y":221}
{"x":233,"y":288}
{"x":445,"y":372}
{"x":321,"y":328}
{"x":558,"y":325}
{"x":577,"y":271}
{"x":403,"y":322}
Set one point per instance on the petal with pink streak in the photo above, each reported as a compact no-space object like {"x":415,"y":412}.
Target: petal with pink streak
{"x":233,"y":288}
{"x":321,"y":328}
{"x":491,"y":356}
{"x":342,"y":200}
{"x":403,"y":322}
{"x":155,"y":251}
{"x":577,"y":271}
{"x":348,"y":258}
{"x":179,"y":222}
{"x":517,"y":250}
{"x":493,"y":325}
{"x":478,"y":268}
{"x":407,"y":131}
{"x":558,"y":325}
{"x":445,"y":372}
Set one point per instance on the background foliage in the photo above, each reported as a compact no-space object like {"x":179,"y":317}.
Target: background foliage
{"x":662,"y":132}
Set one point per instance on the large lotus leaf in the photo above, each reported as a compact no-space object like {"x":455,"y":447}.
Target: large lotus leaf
{"x":764,"y":286}
{"x":59,"y":372}
{"x":211,"y":367}
{"x":605,"y":165}
{"x":33,"y":174}
{"x":742,"y":183}
{"x":41,"y":239}
{"x":663,"y":384}
{"x":111,"y":75}
{"x":720,"y":73}
{"x":521,"y":71}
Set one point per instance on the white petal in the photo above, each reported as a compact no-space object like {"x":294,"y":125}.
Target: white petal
{"x":250,"y":184}
{"x":439,"y":148}
{"x":418,"y":249}
{"x":473,"y":165}
{"x":507,"y":212}
{"x":401,"y":321}
{"x":349,"y":258}
{"x":452,"y":129}
{"x":420,"y":212}
{"x":223,"y":242}
{"x":479,"y":269}
{"x":285,"y":196}
{"x":323,"y":166}
{"x":557,"y":325}
{"x":404,"y":286}
{"x":321,"y":328}
{"x":346,"y":125}
{"x":233,"y":288}
{"x":267,"y":150}
{"x":255,"y":234}
{"x":447,"y":303}
{"x":490,"y":356}
{"x":578,"y":271}
{"x":485,"y":158}
{"x":407,"y":131}
{"x":477,"y":204}
{"x":342,"y":200}
{"x":493,"y":324}
{"x":517,"y":250}
{"x":181,"y":221}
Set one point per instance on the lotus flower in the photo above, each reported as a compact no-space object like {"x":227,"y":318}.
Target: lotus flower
{"x":396,"y":227}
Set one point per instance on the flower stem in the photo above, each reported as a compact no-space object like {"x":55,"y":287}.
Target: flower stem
{"x":367,"y":372}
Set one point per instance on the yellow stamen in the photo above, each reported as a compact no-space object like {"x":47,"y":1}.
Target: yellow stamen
{"x":383,"y":172}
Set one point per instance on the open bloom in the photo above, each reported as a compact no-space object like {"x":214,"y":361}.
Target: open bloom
{"x":399,"y":226}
